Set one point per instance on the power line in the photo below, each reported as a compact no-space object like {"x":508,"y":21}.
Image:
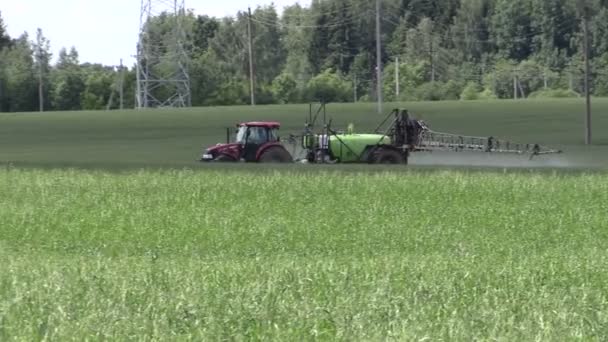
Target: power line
{"x":279,"y":24}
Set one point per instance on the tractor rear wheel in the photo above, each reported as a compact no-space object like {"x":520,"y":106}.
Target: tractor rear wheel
{"x":275,"y":155}
{"x":388,"y":156}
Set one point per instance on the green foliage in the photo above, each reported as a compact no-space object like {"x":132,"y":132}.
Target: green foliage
{"x":553,"y":43}
{"x":5,"y":40}
{"x":487,"y":94}
{"x":431,"y":91}
{"x":68,"y":80}
{"x":328,"y":87}
{"x":98,"y":88}
{"x":204,"y":29}
{"x":264,"y":94}
{"x":268,"y":46}
{"x":470,"y":92}
{"x":471,"y":28}
{"x":512,"y":28}
{"x":485,"y":41}
{"x":554,"y":93}
{"x":17,"y":78}
{"x":451,"y":90}
{"x":233,"y":91}
{"x":366,"y":98}
{"x":500,"y":80}
{"x":42,"y":64}
{"x":530,"y":76}
{"x":601,"y":77}
{"x":436,"y":91}
{"x":411,"y":76}
{"x":208,"y":78}
{"x":284,"y":88}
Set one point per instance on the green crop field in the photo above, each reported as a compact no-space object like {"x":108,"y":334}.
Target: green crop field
{"x":216,"y":255}
{"x":174,"y":138}
{"x":110,"y":230}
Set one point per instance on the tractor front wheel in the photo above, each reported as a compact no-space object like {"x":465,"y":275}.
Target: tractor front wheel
{"x":275,"y":155}
{"x":387,"y":156}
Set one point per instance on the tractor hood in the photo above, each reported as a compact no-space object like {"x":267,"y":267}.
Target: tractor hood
{"x":220,"y":148}
{"x":231,"y":150}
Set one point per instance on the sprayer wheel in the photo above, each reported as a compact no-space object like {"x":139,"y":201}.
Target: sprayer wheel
{"x":387,"y":156}
{"x":276,"y":155}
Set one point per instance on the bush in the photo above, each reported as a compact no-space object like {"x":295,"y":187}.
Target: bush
{"x":328,"y":87}
{"x":553,"y":93}
{"x":365,"y":98}
{"x":264,"y":94}
{"x":451,"y":90}
{"x":473,"y":91}
{"x":470,"y":92}
{"x":601,"y":89}
{"x":284,"y":88}
{"x":487,"y":94}
{"x":500,"y":80}
{"x":431,"y":91}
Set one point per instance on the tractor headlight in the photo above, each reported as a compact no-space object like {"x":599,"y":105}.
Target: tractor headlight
{"x":207,"y":156}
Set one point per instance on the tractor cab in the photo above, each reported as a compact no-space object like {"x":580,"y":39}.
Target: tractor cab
{"x":254,"y":142}
{"x":257,"y":132}
{"x":253,"y":135}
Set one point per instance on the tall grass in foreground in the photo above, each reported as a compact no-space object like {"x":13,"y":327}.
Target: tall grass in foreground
{"x":281,"y":255}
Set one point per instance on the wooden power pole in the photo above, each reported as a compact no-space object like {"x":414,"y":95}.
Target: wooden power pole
{"x":250,"y":47}
{"x":121,"y":86}
{"x":378,"y":58}
{"x":587,"y":74}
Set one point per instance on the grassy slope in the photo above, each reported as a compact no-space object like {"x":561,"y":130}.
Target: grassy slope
{"x":181,"y":254}
{"x":175,"y":137}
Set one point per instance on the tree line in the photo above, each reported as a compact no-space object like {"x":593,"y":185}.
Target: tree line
{"x":431,"y":50}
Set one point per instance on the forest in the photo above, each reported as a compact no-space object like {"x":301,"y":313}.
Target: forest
{"x":438,"y":50}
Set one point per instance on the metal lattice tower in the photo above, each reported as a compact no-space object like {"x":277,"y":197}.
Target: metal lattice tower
{"x":162,"y":74}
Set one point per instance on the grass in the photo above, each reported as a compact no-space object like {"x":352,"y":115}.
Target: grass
{"x":109,"y":230}
{"x":175,"y":138}
{"x":290,"y":255}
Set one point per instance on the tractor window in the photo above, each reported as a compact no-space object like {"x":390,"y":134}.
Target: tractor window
{"x":241,"y":135}
{"x":257,"y":135}
{"x":273,"y":134}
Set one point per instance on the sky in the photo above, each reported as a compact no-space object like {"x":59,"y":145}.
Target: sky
{"x":103,"y":31}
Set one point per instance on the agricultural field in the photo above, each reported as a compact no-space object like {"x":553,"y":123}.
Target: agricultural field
{"x":174,"y":138}
{"x":109,"y":229}
{"x":216,"y":254}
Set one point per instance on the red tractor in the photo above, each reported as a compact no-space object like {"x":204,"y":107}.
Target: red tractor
{"x":255,"y":142}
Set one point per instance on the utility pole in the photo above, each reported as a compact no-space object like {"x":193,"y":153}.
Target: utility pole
{"x":163,"y":78}
{"x":587,"y":74}
{"x":121,"y":85}
{"x":355,"y":89}
{"x":40,"y":58}
{"x":250,"y":46}
{"x":515,"y":86}
{"x":397,"y":76}
{"x":432,"y":59}
{"x":378,"y":58}
{"x":570,"y":77}
{"x":522,"y":92}
{"x":40,"y":82}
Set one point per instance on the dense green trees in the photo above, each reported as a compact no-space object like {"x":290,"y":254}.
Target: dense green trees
{"x":447,"y":49}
